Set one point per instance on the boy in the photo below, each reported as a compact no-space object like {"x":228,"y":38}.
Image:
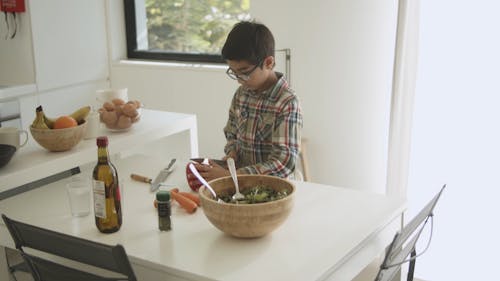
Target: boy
{"x":263,"y":130}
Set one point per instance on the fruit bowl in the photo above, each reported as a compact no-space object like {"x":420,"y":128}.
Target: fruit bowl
{"x":247,"y":220}
{"x":6,"y":153}
{"x":59,"y":139}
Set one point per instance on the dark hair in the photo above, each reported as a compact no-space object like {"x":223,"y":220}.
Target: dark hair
{"x":248,"y":41}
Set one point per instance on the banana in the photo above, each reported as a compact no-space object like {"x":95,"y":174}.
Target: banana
{"x":49,"y":121}
{"x":80,"y":114}
{"x":39,"y":122}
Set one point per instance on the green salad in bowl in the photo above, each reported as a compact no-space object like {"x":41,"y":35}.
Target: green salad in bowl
{"x":256,"y":194}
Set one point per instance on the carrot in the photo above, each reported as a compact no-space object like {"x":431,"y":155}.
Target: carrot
{"x":186,"y":203}
{"x":192,"y":196}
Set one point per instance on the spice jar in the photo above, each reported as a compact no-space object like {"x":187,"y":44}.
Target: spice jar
{"x":163,"y":199}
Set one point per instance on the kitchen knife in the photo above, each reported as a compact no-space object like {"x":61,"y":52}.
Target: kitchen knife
{"x":218,"y":162}
{"x":162,"y":176}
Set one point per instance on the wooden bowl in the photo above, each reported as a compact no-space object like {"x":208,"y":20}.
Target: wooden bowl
{"x":247,"y":220}
{"x":59,"y":139}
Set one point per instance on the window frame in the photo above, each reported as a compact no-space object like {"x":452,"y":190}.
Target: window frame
{"x":134,"y":53}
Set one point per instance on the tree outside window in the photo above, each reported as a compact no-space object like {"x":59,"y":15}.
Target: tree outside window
{"x":181,"y":30}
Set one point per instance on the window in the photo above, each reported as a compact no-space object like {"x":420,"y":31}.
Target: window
{"x":181,"y":30}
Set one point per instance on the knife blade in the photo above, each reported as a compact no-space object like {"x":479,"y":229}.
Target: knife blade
{"x":162,"y":176}
{"x":216,"y":161}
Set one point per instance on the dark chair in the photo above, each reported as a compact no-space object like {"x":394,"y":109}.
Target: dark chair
{"x":90,"y":257}
{"x":403,"y":244}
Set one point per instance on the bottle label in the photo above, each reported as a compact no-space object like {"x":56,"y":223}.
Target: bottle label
{"x":164,"y":209}
{"x":99,"y":199}
{"x":164,"y":222}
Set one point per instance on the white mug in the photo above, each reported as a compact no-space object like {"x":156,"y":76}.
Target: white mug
{"x":12,"y":136}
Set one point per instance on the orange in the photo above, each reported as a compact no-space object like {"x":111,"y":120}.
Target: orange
{"x":65,"y":122}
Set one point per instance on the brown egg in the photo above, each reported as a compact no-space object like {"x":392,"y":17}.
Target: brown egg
{"x":130,"y":110}
{"x":118,"y":109}
{"x":124,"y":122}
{"x":109,"y":118}
{"x":118,"y":102}
{"x":108,"y":106}
{"x":132,"y":103}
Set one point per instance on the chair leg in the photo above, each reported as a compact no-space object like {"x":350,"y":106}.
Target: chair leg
{"x":411,"y":269}
{"x":303,"y":160}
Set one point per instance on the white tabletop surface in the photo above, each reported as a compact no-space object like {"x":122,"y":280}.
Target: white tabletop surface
{"x":327,"y":225}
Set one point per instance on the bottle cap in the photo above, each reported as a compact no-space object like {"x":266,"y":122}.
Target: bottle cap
{"x":102,"y":141}
{"x":163,"y":195}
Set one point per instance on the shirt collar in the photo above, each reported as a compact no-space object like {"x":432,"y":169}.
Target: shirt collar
{"x":273,"y":92}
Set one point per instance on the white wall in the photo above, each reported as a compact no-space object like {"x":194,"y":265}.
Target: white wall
{"x":456,"y":138}
{"x":64,"y":54}
{"x":16,"y":56}
{"x":204,"y":92}
{"x":342,"y":62}
{"x":69,"y":42}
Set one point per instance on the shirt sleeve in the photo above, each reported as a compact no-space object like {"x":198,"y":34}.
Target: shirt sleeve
{"x":230,"y":130}
{"x":286,"y":137}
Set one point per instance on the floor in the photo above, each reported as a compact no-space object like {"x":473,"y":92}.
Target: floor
{"x":13,"y":257}
{"x":370,"y":272}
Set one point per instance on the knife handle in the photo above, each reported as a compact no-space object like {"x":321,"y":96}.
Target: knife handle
{"x":140,"y":178}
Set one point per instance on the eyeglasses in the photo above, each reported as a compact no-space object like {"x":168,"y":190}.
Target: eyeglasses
{"x":245,"y":76}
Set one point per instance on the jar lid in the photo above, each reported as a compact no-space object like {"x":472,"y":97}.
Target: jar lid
{"x":163,"y":195}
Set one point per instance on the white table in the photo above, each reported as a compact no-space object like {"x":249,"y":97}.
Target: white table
{"x":32,"y":162}
{"x":331,"y":234}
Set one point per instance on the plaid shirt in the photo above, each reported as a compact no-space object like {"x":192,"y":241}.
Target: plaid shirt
{"x":264,"y":129}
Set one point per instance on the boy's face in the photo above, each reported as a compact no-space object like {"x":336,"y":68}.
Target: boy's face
{"x":249,"y":75}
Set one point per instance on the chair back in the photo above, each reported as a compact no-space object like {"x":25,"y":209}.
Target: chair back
{"x":403,"y":244}
{"x":111,"y":258}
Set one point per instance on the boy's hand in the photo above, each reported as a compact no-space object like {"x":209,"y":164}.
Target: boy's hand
{"x":208,"y":172}
{"x":231,"y":154}
{"x":214,"y":171}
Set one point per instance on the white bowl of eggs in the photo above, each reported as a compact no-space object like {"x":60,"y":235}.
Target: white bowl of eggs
{"x":119,"y":115}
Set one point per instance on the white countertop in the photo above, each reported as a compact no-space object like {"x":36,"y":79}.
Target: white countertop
{"x":327,"y":229}
{"x":12,"y":92}
{"x":33,"y":162}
